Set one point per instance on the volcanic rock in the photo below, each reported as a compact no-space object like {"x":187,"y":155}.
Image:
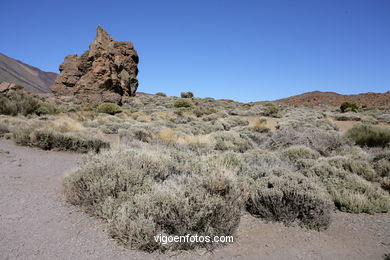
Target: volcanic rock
{"x":105,"y":73}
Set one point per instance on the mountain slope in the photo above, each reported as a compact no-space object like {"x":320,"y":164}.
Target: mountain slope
{"x":335,"y":99}
{"x":32,"y":78}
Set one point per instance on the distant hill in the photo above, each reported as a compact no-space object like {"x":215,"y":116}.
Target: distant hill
{"x":335,"y":99}
{"x":32,"y":78}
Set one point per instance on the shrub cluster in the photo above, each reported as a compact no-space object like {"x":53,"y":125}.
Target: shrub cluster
{"x":368,"y":135}
{"x":288,"y":197}
{"x":161,"y":94}
{"x":188,"y":94}
{"x":346,"y":106}
{"x":48,"y":139}
{"x":183,"y":103}
{"x":147,"y":192}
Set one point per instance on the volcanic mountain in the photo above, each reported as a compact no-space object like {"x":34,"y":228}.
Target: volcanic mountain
{"x":334,"y":99}
{"x":31,"y":78}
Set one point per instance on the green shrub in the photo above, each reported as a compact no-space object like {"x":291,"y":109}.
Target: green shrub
{"x":368,"y":135}
{"x":89,"y":107}
{"x":358,"y":167}
{"x":161,"y":94}
{"x":182,"y":103}
{"x":48,"y":139}
{"x":108,"y":108}
{"x":346,"y":106}
{"x":188,"y":94}
{"x":18,"y":103}
{"x":295,"y":153}
{"x":46,"y":109}
{"x":271,"y":110}
{"x":143,"y":193}
{"x":288,"y":197}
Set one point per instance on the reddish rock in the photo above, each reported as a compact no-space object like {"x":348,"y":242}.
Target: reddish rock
{"x":105,"y":73}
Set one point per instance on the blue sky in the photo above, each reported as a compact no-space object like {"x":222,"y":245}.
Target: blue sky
{"x":242,"y":50}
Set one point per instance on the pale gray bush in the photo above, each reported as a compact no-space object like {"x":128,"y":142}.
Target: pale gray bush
{"x":143,"y":193}
{"x":290,"y":197}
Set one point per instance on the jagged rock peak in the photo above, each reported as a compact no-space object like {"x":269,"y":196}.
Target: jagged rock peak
{"x":106,"y":72}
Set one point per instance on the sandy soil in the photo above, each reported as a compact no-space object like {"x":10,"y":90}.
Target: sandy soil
{"x":271,"y":121}
{"x":36,"y":223}
{"x":344,"y":126}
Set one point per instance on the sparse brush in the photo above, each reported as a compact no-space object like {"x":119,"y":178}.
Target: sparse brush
{"x":232,"y":141}
{"x":324,"y":142}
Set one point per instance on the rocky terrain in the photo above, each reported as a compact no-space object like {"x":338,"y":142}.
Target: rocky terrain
{"x":334,"y":99}
{"x":106,"y":72}
{"x":32,"y":78}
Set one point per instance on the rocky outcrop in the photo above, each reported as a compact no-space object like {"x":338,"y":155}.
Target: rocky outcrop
{"x":105,"y":73}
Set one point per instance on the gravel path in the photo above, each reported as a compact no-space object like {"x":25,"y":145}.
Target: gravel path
{"x":36,"y":223}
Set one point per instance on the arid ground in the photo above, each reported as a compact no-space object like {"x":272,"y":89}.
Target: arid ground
{"x":36,"y":223}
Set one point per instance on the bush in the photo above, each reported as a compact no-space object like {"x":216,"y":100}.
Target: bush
{"x":294,"y":153}
{"x":183,"y":103}
{"x":272,"y":110}
{"x":18,"y":103}
{"x":89,"y":107}
{"x":288,"y":197}
{"x":324,"y":142}
{"x":368,"y":135}
{"x":232,"y":141}
{"x":188,"y":94}
{"x":161,"y":94}
{"x":108,"y":108}
{"x":143,"y":193}
{"x":4,"y":129}
{"x":381,"y":164}
{"x":135,"y":133}
{"x":350,"y":192}
{"x":46,"y":109}
{"x":48,"y":139}
{"x":346,"y":106}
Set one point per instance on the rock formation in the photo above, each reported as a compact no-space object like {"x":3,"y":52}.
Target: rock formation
{"x":105,"y":73}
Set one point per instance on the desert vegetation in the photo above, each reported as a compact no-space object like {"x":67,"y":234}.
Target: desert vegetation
{"x":192,"y":165}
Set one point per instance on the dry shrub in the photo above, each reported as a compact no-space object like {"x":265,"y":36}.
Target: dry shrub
{"x":324,"y":142}
{"x":290,"y":197}
{"x":294,"y":153}
{"x":143,"y":193}
{"x":66,"y":124}
{"x":49,"y":138}
{"x":135,"y":133}
{"x":350,"y":192}
{"x":381,"y":164}
{"x":232,"y":141}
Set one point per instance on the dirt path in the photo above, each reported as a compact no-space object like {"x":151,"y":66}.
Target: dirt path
{"x":35,"y":223}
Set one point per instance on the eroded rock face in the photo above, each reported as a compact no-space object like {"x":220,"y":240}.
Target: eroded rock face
{"x":105,"y":73}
